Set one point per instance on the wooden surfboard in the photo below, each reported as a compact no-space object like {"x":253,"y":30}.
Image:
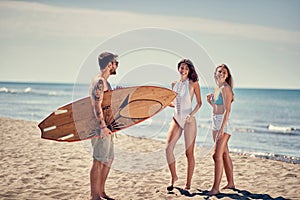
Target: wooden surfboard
{"x":122,"y":108}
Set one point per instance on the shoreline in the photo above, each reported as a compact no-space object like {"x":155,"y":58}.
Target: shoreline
{"x":269,"y":156}
{"x":265,"y":155}
{"x":72,"y":83}
{"x":40,"y":169}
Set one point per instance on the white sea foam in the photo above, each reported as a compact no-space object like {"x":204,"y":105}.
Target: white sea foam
{"x":272,"y":127}
{"x":271,"y":156}
{"x":30,"y":90}
{"x":4,"y":89}
{"x":52,"y":93}
{"x":27,"y":90}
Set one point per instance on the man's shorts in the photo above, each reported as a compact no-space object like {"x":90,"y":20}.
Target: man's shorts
{"x":103,"y":148}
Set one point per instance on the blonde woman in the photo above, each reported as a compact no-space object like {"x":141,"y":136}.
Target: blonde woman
{"x":221,"y":102}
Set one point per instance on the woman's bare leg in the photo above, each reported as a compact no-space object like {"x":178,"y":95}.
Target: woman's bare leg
{"x":228,"y":170}
{"x":174,"y":134}
{"x":190,"y":131}
{"x":220,"y":147}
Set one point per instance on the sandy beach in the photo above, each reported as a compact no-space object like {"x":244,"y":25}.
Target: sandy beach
{"x":33,"y":168}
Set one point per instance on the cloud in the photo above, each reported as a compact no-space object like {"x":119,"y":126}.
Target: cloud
{"x":40,"y":20}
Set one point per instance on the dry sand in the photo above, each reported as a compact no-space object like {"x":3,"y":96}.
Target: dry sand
{"x":33,"y":168}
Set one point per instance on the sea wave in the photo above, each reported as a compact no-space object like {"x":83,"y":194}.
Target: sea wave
{"x":272,"y":127}
{"x":32,"y":91}
{"x":278,"y":157}
{"x":255,"y":128}
{"x":4,"y":89}
{"x":267,"y":128}
{"x":27,"y":90}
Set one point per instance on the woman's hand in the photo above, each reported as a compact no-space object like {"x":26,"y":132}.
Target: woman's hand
{"x":219,"y":134}
{"x":172,"y":105}
{"x":209,"y":98}
{"x":189,"y":118}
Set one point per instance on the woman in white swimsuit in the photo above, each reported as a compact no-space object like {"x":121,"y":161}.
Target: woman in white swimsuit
{"x":183,"y":119}
{"x":221,"y":102}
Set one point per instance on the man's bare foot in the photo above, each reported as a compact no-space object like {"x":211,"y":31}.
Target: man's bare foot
{"x":171,"y":187}
{"x":104,"y":196}
{"x":213,"y":192}
{"x":95,"y":197}
{"x":228,"y":187}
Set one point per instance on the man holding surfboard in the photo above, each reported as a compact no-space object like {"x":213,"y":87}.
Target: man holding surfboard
{"x":103,"y":147}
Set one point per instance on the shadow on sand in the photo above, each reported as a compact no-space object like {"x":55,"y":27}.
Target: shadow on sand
{"x":239,"y":194}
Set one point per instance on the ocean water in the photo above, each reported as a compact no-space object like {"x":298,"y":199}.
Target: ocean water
{"x":263,"y":122}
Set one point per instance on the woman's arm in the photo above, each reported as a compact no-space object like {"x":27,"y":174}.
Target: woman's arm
{"x":172,"y":103}
{"x":227,"y":99}
{"x":208,"y":99}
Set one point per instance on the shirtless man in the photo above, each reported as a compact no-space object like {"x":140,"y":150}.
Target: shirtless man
{"x":103,"y":147}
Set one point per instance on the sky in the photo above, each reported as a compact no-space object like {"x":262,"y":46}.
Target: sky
{"x":51,"y":41}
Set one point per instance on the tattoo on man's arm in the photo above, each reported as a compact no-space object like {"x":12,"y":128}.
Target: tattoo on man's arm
{"x":98,"y":113}
{"x":98,"y":90}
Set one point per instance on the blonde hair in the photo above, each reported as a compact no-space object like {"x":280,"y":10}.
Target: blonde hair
{"x":229,"y":79}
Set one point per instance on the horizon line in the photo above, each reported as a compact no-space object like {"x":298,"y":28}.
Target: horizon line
{"x":130,"y":84}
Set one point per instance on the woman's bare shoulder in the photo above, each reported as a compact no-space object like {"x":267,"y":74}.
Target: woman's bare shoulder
{"x":226,"y":89}
{"x":194,"y":84}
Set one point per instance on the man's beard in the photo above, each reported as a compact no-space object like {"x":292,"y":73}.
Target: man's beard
{"x":113,"y":72}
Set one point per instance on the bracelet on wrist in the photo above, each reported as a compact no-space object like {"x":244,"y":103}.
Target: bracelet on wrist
{"x":103,"y":127}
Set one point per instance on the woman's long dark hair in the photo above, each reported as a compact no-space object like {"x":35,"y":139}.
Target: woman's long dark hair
{"x":192,"y":72}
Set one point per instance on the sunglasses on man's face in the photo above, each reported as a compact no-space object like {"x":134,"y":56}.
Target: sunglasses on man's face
{"x":116,"y":62}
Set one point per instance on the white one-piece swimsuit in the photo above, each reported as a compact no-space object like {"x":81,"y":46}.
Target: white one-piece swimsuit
{"x":183,"y":103}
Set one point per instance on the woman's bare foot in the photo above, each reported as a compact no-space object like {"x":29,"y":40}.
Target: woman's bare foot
{"x":213,"y":192}
{"x":187,"y":187}
{"x":171,"y":187}
{"x":174,"y":179}
{"x":228,"y":187}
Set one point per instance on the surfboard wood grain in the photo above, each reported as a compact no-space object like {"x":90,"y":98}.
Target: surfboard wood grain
{"x":122,"y":108}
